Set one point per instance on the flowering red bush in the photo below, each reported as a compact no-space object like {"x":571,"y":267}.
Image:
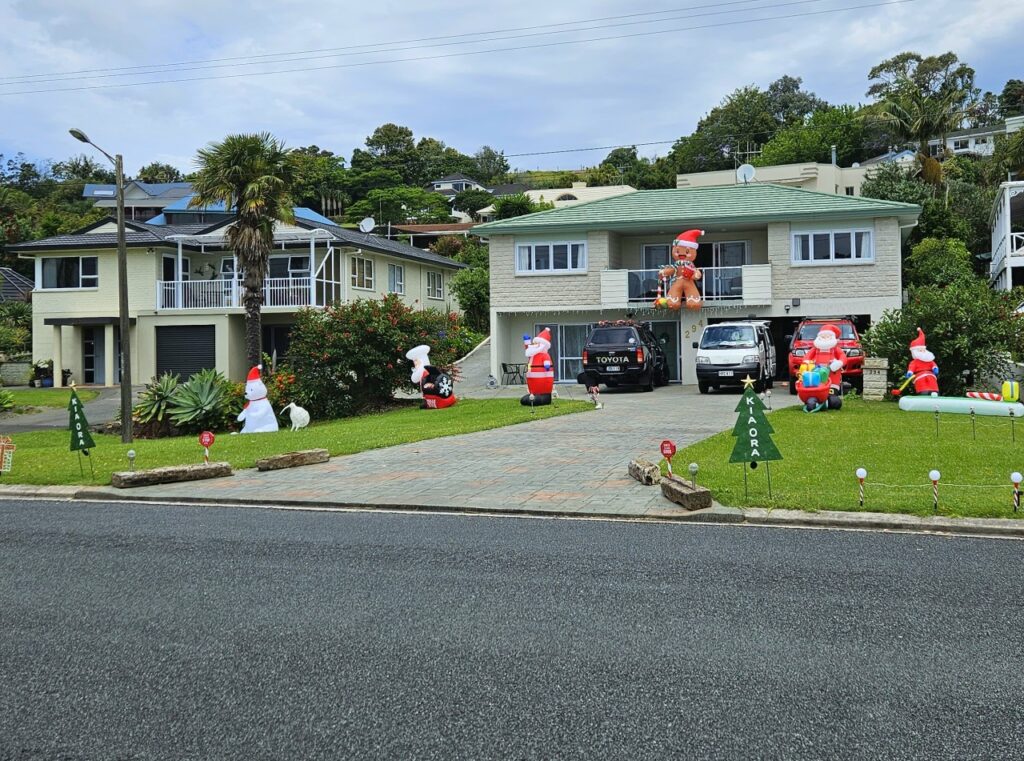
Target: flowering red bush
{"x":351,"y":357}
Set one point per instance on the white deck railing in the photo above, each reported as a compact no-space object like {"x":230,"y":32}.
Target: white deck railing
{"x":219,"y":294}
{"x":716,"y":284}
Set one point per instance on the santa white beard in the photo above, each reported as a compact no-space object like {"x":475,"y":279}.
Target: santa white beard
{"x":418,"y":373}
{"x":536,"y":348}
{"x":921,"y":353}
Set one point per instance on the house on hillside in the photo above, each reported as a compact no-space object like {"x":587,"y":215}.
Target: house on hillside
{"x":770,"y":251}
{"x":979,"y":141}
{"x":185,"y":290}
{"x":1007,"y":224}
{"x":579,"y":192}
{"x":454,"y":184}
{"x":142,"y":200}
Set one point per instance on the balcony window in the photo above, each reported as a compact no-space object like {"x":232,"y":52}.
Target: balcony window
{"x":362,"y":273}
{"x":70,"y":272}
{"x":435,"y":285}
{"x":396,"y":278}
{"x":551,"y":258}
{"x":836,"y":247}
{"x":961,"y":145}
{"x":288,"y":267}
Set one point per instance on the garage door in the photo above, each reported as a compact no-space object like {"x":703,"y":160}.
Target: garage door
{"x":185,"y":349}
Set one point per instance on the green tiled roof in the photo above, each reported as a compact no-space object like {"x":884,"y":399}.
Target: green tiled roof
{"x":701,"y":207}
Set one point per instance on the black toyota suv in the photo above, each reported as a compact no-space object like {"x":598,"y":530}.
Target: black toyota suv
{"x":625,"y":353}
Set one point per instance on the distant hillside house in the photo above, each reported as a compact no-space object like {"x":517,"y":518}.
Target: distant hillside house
{"x":980,"y":141}
{"x":580,"y":192}
{"x":142,"y":200}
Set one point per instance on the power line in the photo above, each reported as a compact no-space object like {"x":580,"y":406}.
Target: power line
{"x":535,"y":46}
{"x":25,"y":77}
{"x":416,"y":47}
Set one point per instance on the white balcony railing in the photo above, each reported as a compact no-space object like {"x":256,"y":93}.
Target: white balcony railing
{"x":716,"y":284}
{"x":1016,"y":243}
{"x":219,"y":294}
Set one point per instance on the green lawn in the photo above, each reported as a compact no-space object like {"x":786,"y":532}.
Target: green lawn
{"x":42,"y":457}
{"x":822,"y":451}
{"x":48,"y":397}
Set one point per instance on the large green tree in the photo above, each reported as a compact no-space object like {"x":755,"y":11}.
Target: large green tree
{"x":156,"y":171}
{"x":489,"y":166}
{"x":1011,"y":99}
{"x":399,"y":205}
{"x":251,"y":174}
{"x":472,"y":200}
{"x":812,"y":139}
{"x":319,"y":180}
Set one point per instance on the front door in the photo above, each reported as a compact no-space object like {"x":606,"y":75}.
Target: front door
{"x":571,"y":339}
{"x":667,"y":333}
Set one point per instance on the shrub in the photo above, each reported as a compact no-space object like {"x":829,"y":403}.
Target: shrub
{"x":936,"y":261}
{"x":351,"y":357}
{"x":14,"y":339}
{"x":6,"y":400}
{"x":151,"y":411}
{"x":205,"y":402}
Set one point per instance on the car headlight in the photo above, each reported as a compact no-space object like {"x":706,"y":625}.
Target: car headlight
{"x":703,"y":360}
{"x":799,"y":352}
{"x":853,"y":352}
{"x":751,"y":358}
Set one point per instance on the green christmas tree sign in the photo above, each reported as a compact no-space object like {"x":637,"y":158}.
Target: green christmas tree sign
{"x":752,"y":430}
{"x":81,"y":439}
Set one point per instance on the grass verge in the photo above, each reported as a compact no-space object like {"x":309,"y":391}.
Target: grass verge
{"x":48,"y":397}
{"x":822,"y":451}
{"x":42,"y":457}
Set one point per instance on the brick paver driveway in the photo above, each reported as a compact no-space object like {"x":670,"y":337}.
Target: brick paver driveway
{"x":568,"y":464}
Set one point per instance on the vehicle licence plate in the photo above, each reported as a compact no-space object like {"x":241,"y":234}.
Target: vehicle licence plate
{"x":725,"y":373}
{"x":612,"y":368}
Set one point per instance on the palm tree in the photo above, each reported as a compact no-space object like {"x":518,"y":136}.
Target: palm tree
{"x":251,"y":174}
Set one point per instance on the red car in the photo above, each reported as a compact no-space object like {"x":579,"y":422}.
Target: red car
{"x":849,"y":341}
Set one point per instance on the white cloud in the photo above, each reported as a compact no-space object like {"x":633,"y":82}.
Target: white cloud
{"x":634,"y":89}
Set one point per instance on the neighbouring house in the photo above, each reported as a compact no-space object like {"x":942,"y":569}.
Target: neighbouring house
{"x":979,"y":141}
{"x":454,"y":184}
{"x":508,"y":189}
{"x":142,"y":200}
{"x":1007,"y":224}
{"x":422,"y":236}
{"x":14,"y":286}
{"x":185,"y":290}
{"x":770,"y":251}
{"x":561,"y":197}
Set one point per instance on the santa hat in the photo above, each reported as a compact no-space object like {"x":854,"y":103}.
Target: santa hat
{"x":831,"y":328}
{"x":688,"y":238}
{"x":544,"y":337}
{"x":254,"y":374}
{"x":421,"y":352}
{"x":919,"y":341}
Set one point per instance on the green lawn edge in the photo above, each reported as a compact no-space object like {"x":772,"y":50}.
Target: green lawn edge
{"x":821,"y":452}
{"x":43,"y":457}
{"x":56,"y":398}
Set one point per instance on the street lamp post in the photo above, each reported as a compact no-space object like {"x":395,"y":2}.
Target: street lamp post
{"x":122,"y":291}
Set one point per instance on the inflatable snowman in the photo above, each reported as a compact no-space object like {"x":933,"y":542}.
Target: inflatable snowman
{"x":258,"y":415}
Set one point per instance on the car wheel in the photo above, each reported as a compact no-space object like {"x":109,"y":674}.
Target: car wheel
{"x":792,"y":386}
{"x":702,"y":387}
{"x":648,"y":384}
{"x":663,"y":377}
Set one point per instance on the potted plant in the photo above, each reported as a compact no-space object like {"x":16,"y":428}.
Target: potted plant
{"x":42,"y":373}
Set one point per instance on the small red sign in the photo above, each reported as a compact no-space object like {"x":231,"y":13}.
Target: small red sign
{"x":668,"y":449}
{"x":206,"y":439}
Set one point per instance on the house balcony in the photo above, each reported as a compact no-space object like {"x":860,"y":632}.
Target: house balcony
{"x":747,"y":285}
{"x":294,"y":292}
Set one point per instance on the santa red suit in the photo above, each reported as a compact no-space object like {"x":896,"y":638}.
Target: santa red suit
{"x":540,"y":372}
{"x":922,"y":367}
{"x":826,"y":352}
{"x":436,"y":386}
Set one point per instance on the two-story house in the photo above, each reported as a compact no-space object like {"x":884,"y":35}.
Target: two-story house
{"x":142,"y":200}
{"x":770,"y":252}
{"x":185,"y":290}
{"x":1007,"y":224}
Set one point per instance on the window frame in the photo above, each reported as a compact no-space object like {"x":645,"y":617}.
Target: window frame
{"x":440,"y":285}
{"x":41,"y":285}
{"x":832,"y":261}
{"x":354,"y":273}
{"x":532,"y":271}
{"x":966,"y":144}
{"x":307,"y":271}
{"x":396,"y":275}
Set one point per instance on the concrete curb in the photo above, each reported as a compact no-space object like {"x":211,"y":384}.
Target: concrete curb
{"x":755,"y":516}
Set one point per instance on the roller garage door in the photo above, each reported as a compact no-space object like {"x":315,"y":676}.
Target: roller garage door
{"x":185,"y":349}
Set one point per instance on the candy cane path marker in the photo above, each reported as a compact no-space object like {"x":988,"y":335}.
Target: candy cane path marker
{"x":206,"y":439}
{"x":668,"y":450}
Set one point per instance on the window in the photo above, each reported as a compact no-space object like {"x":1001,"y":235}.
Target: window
{"x":288,"y":267}
{"x":962,"y":144}
{"x":435,"y":285}
{"x":70,"y":272}
{"x":851,"y":190}
{"x":362,"y":273}
{"x":935,"y":149}
{"x":396,"y":278}
{"x":227,"y":268}
{"x":837,"y":247}
{"x":545,"y":258}
{"x":981,"y":141}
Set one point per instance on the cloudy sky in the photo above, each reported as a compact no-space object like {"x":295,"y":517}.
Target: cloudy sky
{"x":526,"y":77}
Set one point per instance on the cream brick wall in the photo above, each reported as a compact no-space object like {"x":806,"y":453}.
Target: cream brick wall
{"x":511,"y":290}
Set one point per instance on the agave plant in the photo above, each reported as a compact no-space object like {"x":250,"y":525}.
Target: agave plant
{"x":6,"y":400}
{"x":203,"y":402}
{"x":155,"y":399}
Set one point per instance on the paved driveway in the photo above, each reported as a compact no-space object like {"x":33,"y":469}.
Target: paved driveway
{"x":568,"y":464}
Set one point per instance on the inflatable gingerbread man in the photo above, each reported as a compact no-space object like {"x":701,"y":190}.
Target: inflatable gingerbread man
{"x":540,"y":374}
{"x":683,"y":272}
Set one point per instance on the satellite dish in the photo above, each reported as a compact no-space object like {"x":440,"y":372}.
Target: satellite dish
{"x":367,"y":225}
{"x":745,"y":173}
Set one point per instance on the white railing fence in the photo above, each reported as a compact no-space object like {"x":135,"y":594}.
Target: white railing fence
{"x":716,"y":284}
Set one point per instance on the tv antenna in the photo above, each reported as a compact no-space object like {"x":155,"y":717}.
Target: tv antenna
{"x":745,"y":173}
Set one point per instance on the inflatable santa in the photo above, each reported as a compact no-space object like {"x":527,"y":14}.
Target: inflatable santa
{"x":540,"y":373}
{"x":437,"y":387}
{"x":683,"y":274}
{"x":826,"y":353}
{"x":922,"y":367}
{"x":257,"y":414}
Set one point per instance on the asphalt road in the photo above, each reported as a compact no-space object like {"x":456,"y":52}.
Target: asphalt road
{"x":152,"y":632}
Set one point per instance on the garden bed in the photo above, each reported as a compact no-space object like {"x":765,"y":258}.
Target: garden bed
{"x":898,"y":449}
{"x":43,"y":458}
